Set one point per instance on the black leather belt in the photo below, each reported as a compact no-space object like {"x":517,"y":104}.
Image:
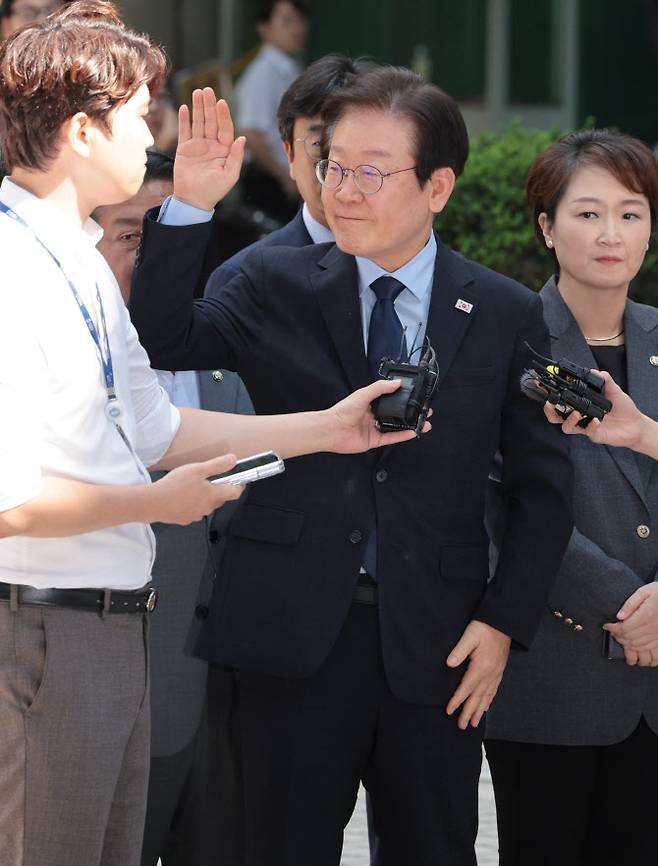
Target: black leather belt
{"x":365,"y":592}
{"x":99,"y":600}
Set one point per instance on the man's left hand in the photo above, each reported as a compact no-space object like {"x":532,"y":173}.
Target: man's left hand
{"x":208,"y":158}
{"x":488,"y":649}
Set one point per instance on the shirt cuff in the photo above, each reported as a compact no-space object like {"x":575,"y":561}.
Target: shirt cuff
{"x":177,"y":213}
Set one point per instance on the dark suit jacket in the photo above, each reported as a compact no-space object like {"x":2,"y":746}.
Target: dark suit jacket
{"x":293,"y":234}
{"x":290,"y":323}
{"x":184,"y":573}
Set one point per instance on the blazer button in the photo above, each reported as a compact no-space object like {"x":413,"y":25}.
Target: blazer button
{"x":578,"y":627}
{"x":201,"y":611}
{"x":217,"y":376}
{"x":643,"y":531}
{"x":355,"y":536}
{"x":568,"y":621}
{"x":557,"y":614}
{"x":213,"y":536}
{"x":381,"y":475}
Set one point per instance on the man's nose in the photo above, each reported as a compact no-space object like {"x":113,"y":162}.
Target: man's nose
{"x":348,"y":190}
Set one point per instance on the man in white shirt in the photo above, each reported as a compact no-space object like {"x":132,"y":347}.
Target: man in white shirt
{"x":282,"y":26}
{"x":83,"y":416}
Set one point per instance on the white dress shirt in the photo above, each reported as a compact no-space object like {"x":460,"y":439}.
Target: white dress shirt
{"x":53,"y":398}
{"x":182,"y":387}
{"x":258,"y":94}
{"x":319,"y":234}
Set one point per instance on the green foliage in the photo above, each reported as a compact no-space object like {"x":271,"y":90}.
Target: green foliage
{"x":488,"y":219}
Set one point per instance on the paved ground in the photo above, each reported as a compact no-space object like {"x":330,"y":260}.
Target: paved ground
{"x":355,"y":852}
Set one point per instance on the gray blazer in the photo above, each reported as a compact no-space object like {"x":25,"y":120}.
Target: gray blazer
{"x":563,"y":691}
{"x":183,"y":573}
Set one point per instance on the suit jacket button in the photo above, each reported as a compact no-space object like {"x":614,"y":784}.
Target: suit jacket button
{"x":643,"y":531}
{"x":381,"y":475}
{"x":578,"y":627}
{"x":217,"y":375}
{"x":557,"y":614}
{"x":213,"y":536}
{"x":568,"y":621}
{"x":356,"y":536}
{"x":201,"y":611}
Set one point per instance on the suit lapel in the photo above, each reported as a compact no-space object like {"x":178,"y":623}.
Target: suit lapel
{"x":448,"y":320}
{"x":336,"y":288}
{"x":568,"y":342}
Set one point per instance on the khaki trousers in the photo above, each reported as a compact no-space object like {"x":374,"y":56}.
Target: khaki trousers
{"x":74,"y":737}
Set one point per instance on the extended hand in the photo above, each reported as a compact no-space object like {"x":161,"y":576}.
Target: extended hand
{"x":185,"y":495}
{"x":353,"y":424}
{"x":622,"y":426}
{"x":488,"y":649}
{"x":637,"y":629}
{"x":208,"y":158}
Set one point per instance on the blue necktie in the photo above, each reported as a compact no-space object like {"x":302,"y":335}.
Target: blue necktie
{"x":385,"y":340}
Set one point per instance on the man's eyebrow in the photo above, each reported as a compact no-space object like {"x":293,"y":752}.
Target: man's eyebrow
{"x":126,"y":221}
{"x":368,"y":152}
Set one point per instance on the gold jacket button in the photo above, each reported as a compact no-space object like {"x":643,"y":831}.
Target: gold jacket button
{"x":568,"y":621}
{"x":217,"y":375}
{"x":643,"y":531}
{"x":578,"y":627}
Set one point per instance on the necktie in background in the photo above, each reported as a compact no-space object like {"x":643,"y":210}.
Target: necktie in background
{"x":385,"y":340}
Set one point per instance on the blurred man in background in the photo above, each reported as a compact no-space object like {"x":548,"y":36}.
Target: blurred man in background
{"x":282,"y":26}
{"x":16,"y":13}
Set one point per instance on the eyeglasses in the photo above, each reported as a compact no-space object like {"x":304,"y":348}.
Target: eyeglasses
{"x":367,"y":178}
{"x":312,"y":145}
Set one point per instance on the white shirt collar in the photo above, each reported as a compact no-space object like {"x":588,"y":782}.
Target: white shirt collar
{"x":57,"y":231}
{"x":319,"y":234}
{"x":416,"y":275}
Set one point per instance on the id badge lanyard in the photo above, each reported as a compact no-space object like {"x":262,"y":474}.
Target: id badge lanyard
{"x":113,"y":407}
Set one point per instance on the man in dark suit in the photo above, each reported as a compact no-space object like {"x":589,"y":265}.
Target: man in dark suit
{"x":353,"y":607}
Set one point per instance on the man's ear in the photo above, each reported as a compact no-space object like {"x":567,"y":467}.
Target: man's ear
{"x":76,"y":133}
{"x":290,"y":155}
{"x":442,"y":183}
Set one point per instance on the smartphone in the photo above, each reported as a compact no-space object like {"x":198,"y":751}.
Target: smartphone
{"x":251,"y":469}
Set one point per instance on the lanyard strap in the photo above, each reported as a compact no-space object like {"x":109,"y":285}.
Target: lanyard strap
{"x":105,"y":356}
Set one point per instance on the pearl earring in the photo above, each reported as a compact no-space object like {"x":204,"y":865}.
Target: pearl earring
{"x":549,"y":244}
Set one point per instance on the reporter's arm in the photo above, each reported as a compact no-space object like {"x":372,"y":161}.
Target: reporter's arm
{"x":624,"y":426}
{"x":65,"y":507}
{"x":347,"y":427}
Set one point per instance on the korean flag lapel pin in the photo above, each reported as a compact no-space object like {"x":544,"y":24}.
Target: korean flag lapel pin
{"x":464,"y":306}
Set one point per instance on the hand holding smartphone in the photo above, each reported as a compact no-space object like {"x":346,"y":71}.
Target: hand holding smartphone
{"x":251,"y":469}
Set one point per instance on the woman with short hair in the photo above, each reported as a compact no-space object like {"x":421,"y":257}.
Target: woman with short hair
{"x":572,"y":737}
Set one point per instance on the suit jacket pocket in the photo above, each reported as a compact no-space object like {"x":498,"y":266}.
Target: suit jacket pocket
{"x":464,"y":562}
{"x":457,"y":378}
{"x":264,"y":523}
